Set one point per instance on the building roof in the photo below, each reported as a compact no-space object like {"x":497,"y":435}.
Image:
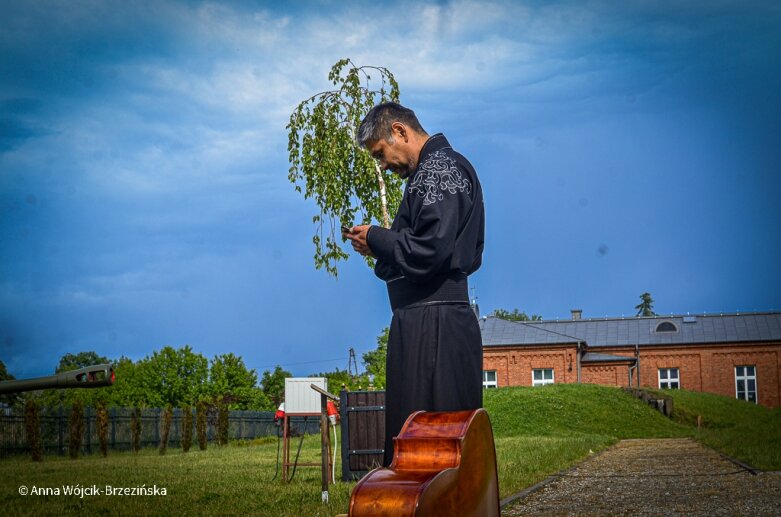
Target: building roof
{"x":706,"y":328}
{"x":592,"y":357}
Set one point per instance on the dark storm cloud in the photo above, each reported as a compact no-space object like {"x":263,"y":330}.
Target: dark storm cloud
{"x":143,"y":163}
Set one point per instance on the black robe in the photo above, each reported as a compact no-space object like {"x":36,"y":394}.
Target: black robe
{"x":435,"y":355}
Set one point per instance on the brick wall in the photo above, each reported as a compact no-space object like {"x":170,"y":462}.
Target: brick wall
{"x":611,"y":375}
{"x":689,"y":367}
{"x":709,"y":368}
{"x":719,"y":373}
{"x":514,"y":367}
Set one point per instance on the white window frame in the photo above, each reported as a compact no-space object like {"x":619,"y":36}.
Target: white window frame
{"x":746,"y":377}
{"x":544,"y":380}
{"x":669,"y":379}
{"x":489,"y":383}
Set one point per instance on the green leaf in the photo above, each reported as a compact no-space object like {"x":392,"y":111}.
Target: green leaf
{"x":327,"y":165}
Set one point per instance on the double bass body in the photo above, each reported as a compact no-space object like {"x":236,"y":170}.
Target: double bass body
{"x":444,"y":464}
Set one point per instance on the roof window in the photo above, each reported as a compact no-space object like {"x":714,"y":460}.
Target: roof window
{"x":666,"y":326}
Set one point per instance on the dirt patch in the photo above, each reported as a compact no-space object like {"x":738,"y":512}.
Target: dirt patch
{"x":652,"y":477}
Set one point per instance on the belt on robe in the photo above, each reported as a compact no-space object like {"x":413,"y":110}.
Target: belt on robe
{"x":451,"y":289}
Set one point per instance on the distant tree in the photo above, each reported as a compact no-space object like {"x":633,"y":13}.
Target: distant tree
{"x":70,"y":362}
{"x":223,"y":423}
{"x":273,"y":385}
{"x":75,"y":429}
{"x":135,"y":429}
{"x":229,"y":378}
{"x":200,"y":424}
{"x":103,"y":422}
{"x":129,"y":388}
{"x":167,"y":418}
{"x":327,"y":163}
{"x":646,"y":305}
{"x":174,"y":376}
{"x":32,"y":424}
{"x":515,"y":315}
{"x":374,"y":360}
{"x":5,"y":376}
{"x":187,"y":428}
{"x":87,"y":397}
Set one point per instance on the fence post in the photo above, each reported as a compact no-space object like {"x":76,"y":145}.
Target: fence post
{"x":344,"y":421}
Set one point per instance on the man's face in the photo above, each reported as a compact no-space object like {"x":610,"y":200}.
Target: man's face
{"x":392,"y":156}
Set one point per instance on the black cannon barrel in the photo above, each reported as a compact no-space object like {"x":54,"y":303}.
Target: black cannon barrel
{"x":89,"y":377}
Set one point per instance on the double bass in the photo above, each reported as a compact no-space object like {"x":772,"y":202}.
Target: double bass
{"x":444,"y":464}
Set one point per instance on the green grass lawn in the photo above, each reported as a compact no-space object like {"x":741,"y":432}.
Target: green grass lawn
{"x":538,"y":431}
{"x":230,"y":480}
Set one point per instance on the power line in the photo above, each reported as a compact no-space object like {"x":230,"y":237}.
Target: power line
{"x":532,"y":325}
{"x":310,"y":362}
{"x":296,"y":364}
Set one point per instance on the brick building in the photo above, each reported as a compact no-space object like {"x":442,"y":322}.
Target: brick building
{"x":736,"y":355}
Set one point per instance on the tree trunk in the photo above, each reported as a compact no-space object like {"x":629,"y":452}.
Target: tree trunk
{"x":383,"y":197}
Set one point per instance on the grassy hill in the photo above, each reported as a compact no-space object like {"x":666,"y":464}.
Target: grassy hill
{"x":746,"y":431}
{"x":542,"y":430}
{"x":571,"y":409}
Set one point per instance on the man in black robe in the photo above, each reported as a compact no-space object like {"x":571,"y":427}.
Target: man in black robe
{"x":435,"y":357}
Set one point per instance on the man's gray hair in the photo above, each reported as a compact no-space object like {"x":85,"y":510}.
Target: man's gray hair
{"x":377,"y":123}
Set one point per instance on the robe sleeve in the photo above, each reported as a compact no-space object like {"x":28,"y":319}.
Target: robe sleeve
{"x":426,"y":247}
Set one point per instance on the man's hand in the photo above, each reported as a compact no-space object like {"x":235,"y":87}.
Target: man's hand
{"x":357,"y":235}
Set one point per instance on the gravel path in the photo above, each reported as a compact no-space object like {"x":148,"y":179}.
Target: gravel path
{"x":655,"y":477}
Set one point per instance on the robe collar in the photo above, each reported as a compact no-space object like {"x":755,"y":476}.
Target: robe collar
{"x":433,"y":144}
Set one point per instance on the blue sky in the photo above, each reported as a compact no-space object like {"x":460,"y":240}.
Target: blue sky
{"x":144,"y":198}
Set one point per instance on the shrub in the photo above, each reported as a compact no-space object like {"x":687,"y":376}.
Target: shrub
{"x":200,"y":424}
{"x":167,"y":417}
{"x":32,"y":424}
{"x":135,"y":430}
{"x":103,"y":428}
{"x":76,"y":429}
{"x":187,"y":428}
{"x":222,"y":422}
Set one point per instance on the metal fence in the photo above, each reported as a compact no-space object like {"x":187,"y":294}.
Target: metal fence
{"x":242,"y":425}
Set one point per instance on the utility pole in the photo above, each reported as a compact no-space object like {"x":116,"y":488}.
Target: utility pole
{"x":352,"y":364}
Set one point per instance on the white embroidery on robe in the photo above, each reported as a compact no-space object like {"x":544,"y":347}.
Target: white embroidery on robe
{"x":438,"y":174}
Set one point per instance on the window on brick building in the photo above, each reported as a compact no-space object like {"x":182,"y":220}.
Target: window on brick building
{"x":746,"y":383}
{"x":669,"y":378}
{"x":542,"y":376}
{"x":489,"y":379}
